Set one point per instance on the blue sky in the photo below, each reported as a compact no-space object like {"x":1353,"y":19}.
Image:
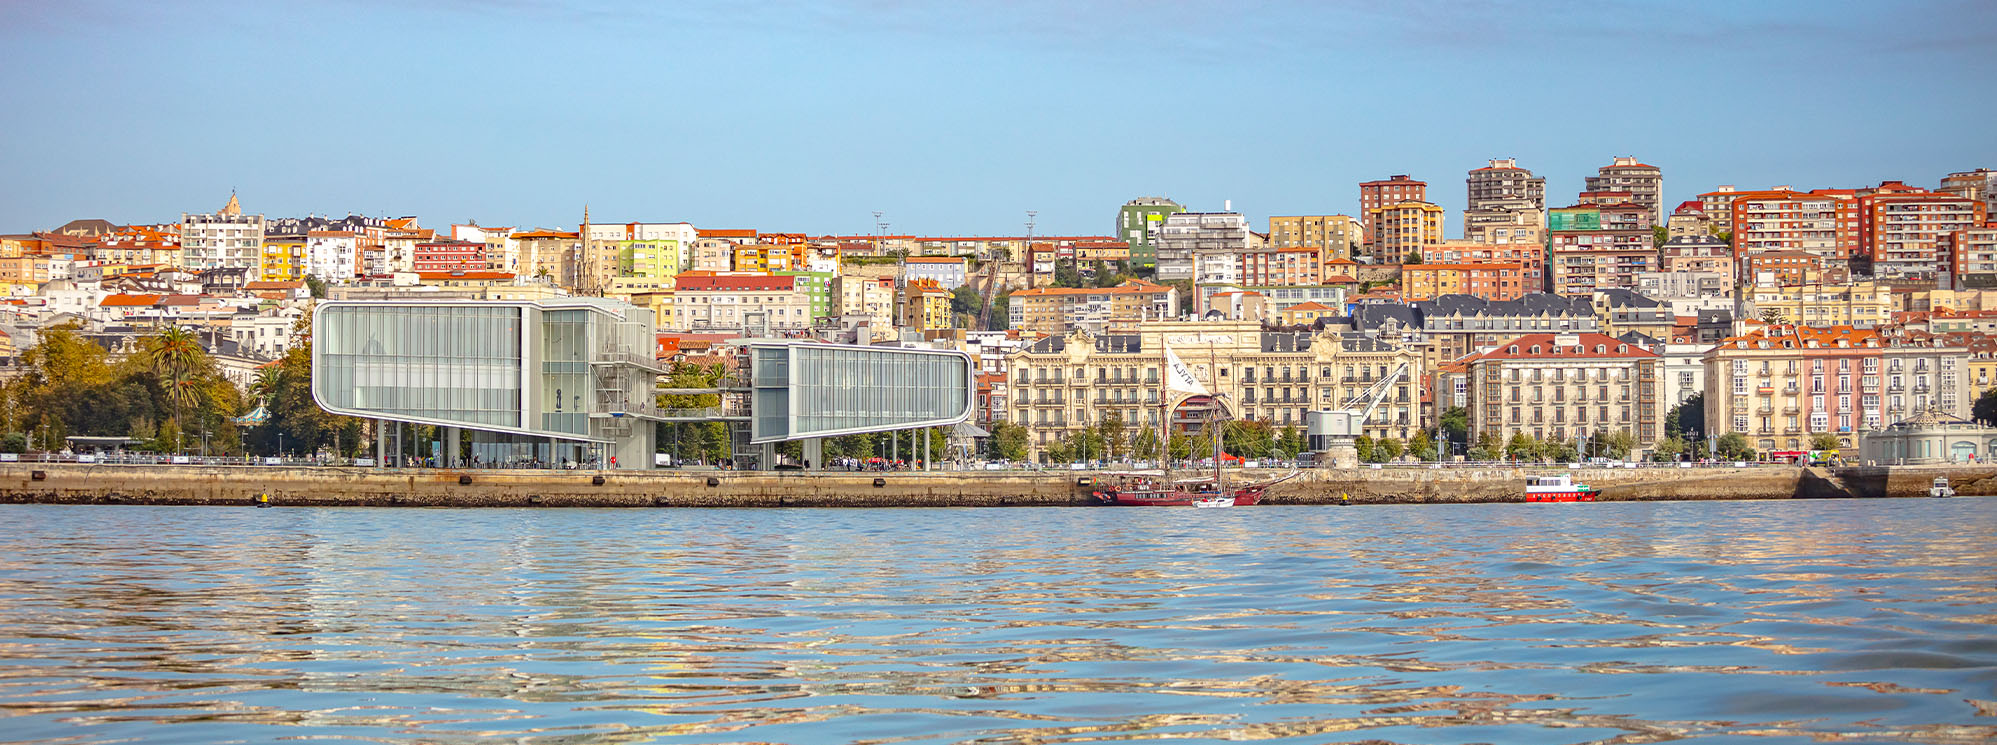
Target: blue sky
{"x":954,"y":118}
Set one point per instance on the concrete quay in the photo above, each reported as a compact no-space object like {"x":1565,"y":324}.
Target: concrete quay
{"x":66,"y":483}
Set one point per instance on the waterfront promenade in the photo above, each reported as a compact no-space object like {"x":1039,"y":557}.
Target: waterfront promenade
{"x":1432,"y":483}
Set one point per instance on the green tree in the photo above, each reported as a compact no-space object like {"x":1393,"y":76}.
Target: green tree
{"x":965,"y":300}
{"x":1658,"y":235}
{"x":1058,"y":452}
{"x":1388,"y":449}
{"x":1985,"y":409}
{"x":1455,"y":424}
{"x":1414,"y":257}
{"x":317,"y":286}
{"x":1689,"y":417}
{"x":1008,"y":441}
{"x":1248,"y":439}
{"x":1522,"y":447}
{"x":1289,"y":443}
{"x":1144,"y":445}
{"x":1115,"y":437}
{"x":1422,"y":447}
{"x":1668,"y":449}
{"x":1771,"y":315}
{"x":1362,"y":446}
{"x":1734,"y":446}
{"x":1001,"y":308}
{"x":296,"y":423}
{"x":1487,"y":448}
{"x":1181,"y":446}
{"x":1825,"y":441}
{"x":1066,"y":275}
{"x":1558,"y":451}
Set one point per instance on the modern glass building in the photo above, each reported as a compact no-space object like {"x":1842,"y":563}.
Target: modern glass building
{"x":807,"y":391}
{"x":525,"y":383}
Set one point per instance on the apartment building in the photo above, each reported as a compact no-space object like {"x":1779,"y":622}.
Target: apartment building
{"x":1486,"y":281}
{"x":1566,"y":387}
{"x":1702,"y":253}
{"x":448,"y":256}
{"x":226,"y":239}
{"x":1182,"y":234}
{"x":1457,"y":325}
{"x":713,"y":303}
{"x":1979,"y":185}
{"x":1334,"y":236}
{"x":1593,"y":247}
{"x":1860,"y":304}
{"x":1137,"y":224}
{"x":869,"y":298}
{"x":1531,"y":258}
{"x":1065,"y":382}
{"x":1971,"y":257}
{"x":1376,"y":194}
{"x":1824,"y":223}
{"x":1688,"y":221}
{"x":1781,"y":384}
{"x":1403,"y":229}
{"x":1644,"y":182}
{"x":1504,"y":185}
{"x":553,"y":254}
{"x":1523,"y":228}
{"x":281,"y":258}
{"x":1775,"y":268}
{"x":1057,"y":310}
{"x":1718,"y":204}
{"x":948,"y":272}
{"x":1901,"y":231}
{"x":333,"y":255}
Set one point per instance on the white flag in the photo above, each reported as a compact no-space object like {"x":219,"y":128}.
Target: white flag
{"x":1178,"y":377}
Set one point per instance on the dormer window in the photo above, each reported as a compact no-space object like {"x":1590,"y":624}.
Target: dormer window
{"x":1601,"y":348}
{"x":1515,"y":349}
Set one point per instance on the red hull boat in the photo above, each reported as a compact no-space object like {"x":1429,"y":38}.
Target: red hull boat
{"x":1172,"y":496}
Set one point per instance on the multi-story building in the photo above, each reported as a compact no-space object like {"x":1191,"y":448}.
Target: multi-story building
{"x":1137,"y":223}
{"x":448,"y":256}
{"x":1334,"y":236}
{"x":1289,"y":266}
{"x":726,"y":302}
{"x":1403,"y":229}
{"x":1899,"y":231}
{"x":1781,"y":384}
{"x":1488,"y":281}
{"x":1457,"y":325}
{"x":1971,"y":257}
{"x":282,"y":258}
{"x":1504,"y":185}
{"x":816,"y":287}
{"x":1182,"y":234}
{"x":1688,"y":292}
{"x":869,"y":298}
{"x":140,"y":245}
{"x":1773,"y":268}
{"x":333,"y":255}
{"x":1621,"y":311}
{"x":1703,"y":253}
{"x":946,"y":271}
{"x":1060,"y":309}
{"x":1376,"y":194}
{"x":551,"y":254}
{"x":1860,"y":304}
{"x":227,"y":239}
{"x":1718,"y":205}
{"x":1066,"y":382}
{"x":1566,"y":388}
{"x":654,"y":250}
{"x":762,"y":258}
{"x":1645,"y":183}
{"x":1824,"y":223}
{"x":1531,"y":258}
{"x":1596,"y":247}
{"x":1521,"y":228}
{"x":1688,"y":221}
{"x":925,"y":306}
{"x":1979,"y":185}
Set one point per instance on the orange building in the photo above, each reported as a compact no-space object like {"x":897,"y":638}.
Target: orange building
{"x":1487,"y":281}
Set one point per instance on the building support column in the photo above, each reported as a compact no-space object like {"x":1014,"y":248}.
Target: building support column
{"x":380,"y":443}
{"x":766,"y":456}
{"x":451,"y":441}
{"x":814,"y":454}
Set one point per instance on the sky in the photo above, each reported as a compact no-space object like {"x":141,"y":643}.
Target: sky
{"x":956,"y":118}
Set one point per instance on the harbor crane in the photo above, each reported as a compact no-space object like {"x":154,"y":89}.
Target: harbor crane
{"x":1333,"y":432}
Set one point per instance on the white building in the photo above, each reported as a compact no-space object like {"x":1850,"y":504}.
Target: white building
{"x":1184,"y":234}
{"x":946,"y":271}
{"x":227,"y":239}
{"x":332,"y":255}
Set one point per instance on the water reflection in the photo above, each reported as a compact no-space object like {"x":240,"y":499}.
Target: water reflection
{"x":1623,"y":623}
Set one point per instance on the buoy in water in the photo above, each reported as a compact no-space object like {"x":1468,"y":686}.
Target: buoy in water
{"x":263,"y":500}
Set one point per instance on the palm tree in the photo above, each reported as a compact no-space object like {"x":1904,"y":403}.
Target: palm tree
{"x":174,"y":355}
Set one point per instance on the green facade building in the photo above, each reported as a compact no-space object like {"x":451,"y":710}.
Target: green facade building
{"x":1137,"y":223}
{"x":817,"y":286}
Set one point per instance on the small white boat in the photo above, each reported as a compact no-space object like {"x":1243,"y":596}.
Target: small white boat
{"x":1941,"y":488}
{"x":1205,"y":502}
{"x":1560,"y":488}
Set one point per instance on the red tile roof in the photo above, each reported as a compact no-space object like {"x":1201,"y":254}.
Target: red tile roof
{"x":129,"y":301}
{"x":1542,"y":347}
{"x":752,"y":283}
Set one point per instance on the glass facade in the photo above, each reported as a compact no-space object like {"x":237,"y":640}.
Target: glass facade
{"x":815,"y":390}
{"x":458,"y":364}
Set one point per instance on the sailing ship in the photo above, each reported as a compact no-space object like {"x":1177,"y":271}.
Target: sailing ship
{"x":1159,"y":489}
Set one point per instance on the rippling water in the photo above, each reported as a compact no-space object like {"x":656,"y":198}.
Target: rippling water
{"x":1846,"y":621}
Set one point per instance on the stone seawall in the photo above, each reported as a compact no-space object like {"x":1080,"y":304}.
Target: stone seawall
{"x":241,"y":485}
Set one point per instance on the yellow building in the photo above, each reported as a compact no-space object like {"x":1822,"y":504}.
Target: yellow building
{"x":1061,"y":384}
{"x":1306,"y":312}
{"x":1057,"y":309}
{"x":1335,"y":236}
{"x":1862,"y":304}
{"x":283,"y":258}
{"x":925,"y":306}
{"x":1403,"y":229}
{"x":765,"y":258}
